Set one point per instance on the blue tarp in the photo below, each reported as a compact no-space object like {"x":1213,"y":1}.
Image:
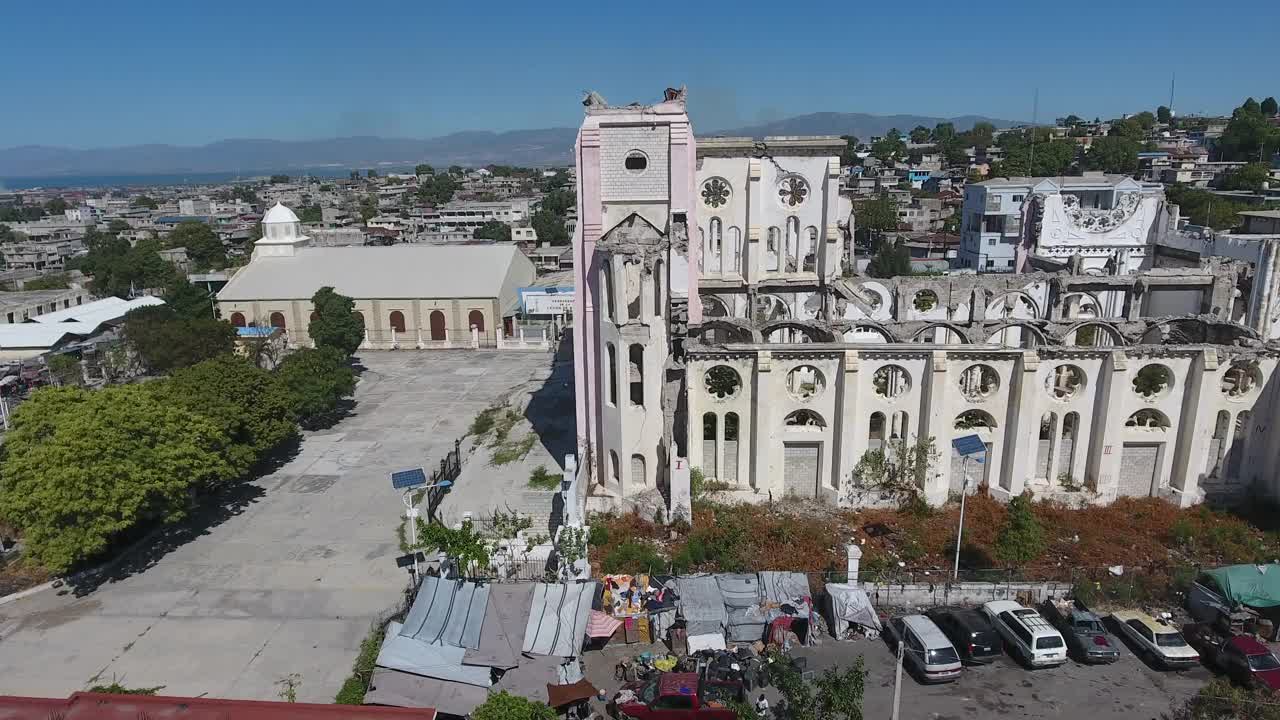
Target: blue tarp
{"x":558,"y":618}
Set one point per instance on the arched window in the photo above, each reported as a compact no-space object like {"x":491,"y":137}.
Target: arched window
{"x":793,"y":244}
{"x":396,"y":321}
{"x":731,"y":431}
{"x":810,"y":249}
{"x":899,"y":425}
{"x":733,"y":261}
{"x":709,"y":450}
{"x":715,"y":241}
{"x":475,"y":319}
{"x":1237,"y":444}
{"x":613,"y":467}
{"x":237,"y":319}
{"x":635,"y":354}
{"x":1218,"y":444}
{"x":277,"y":320}
{"x":437,"y":324}
{"x":875,"y":432}
{"x":1067,"y":448}
{"x":1044,"y":450}
{"x":613,"y":374}
{"x":772,"y":249}
{"x":658,"y":304}
{"x":606,"y":284}
{"x":804,"y":419}
{"x":638,"y":475}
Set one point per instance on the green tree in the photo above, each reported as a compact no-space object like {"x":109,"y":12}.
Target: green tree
{"x":505,"y":706}
{"x":876,"y":217}
{"x":1164,"y":115}
{"x":1250,"y":177}
{"x":279,"y":179}
{"x":317,"y":379}
{"x":117,"y":226}
{"x":81,"y":467}
{"x":919,"y":134}
{"x":1248,"y":135}
{"x":493,"y":230}
{"x":550,"y":227}
{"x":849,"y":155}
{"x":1045,"y":158}
{"x":336,"y":324}
{"x":311,"y":214}
{"x":250,"y":406}
{"x":166,"y":342}
{"x":981,"y":135}
{"x":371,"y":173}
{"x":368,"y":207}
{"x":1145,"y":119}
{"x":142,"y":201}
{"x":1205,"y":208}
{"x":457,"y":170}
{"x":1020,"y":539}
{"x":423,"y":169}
{"x":1269,"y":107}
{"x":890,"y":147}
{"x":1113,"y":154}
{"x":56,"y":206}
{"x":839,"y":692}
{"x":64,"y":369}
{"x":1221,"y":699}
{"x":559,"y":202}
{"x":187,"y":300}
{"x":1072,"y":120}
{"x":1129,"y":128}
{"x":204,"y":249}
{"x":437,"y":189}
{"x":892,"y":259}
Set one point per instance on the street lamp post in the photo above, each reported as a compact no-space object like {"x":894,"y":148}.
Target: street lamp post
{"x":411,"y":514}
{"x":964,"y":492}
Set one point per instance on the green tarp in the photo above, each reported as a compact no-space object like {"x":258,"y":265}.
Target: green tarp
{"x":1253,"y":585}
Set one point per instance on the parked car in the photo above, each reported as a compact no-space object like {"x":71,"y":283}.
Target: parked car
{"x":972,"y":633}
{"x":928,"y":654}
{"x":1159,"y":643}
{"x":1241,"y":657}
{"x":675,"y":696}
{"x":1027,"y":635}
{"x":1084,"y":632}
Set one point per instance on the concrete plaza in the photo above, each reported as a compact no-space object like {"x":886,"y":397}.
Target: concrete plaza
{"x":288,"y":575}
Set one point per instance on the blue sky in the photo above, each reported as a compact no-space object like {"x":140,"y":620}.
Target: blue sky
{"x":90,"y":73}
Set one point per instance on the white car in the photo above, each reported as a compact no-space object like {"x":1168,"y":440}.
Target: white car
{"x":1027,"y":635}
{"x":1159,"y":643}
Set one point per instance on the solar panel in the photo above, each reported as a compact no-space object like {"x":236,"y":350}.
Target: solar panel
{"x":408,"y":478}
{"x":969,"y":445}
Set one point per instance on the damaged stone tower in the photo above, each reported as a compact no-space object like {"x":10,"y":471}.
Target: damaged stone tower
{"x":633,"y":263}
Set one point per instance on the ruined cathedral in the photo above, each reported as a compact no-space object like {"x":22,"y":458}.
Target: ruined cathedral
{"x":720,"y":325}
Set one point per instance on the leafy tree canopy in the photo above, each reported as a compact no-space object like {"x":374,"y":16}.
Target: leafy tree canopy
{"x":550,"y":227}
{"x":335,"y":325}
{"x":892,"y":259}
{"x":204,"y":248}
{"x":56,"y":206}
{"x":1164,"y":114}
{"x":142,"y":201}
{"x":1250,"y":177}
{"x":165,"y":342}
{"x":1113,"y":154}
{"x":437,"y":189}
{"x":493,"y":230}
{"x":1269,"y":107}
{"x":57,"y":281}
{"x":249,"y":405}
{"x":1021,"y":539}
{"x":919,"y":134}
{"x":82,"y":467}
{"x":423,"y":169}
{"x":849,"y":155}
{"x":505,"y":706}
{"x":317,"y":380}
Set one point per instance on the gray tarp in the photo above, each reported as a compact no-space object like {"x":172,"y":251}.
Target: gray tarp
{"x":558,"y":618}
{"x":742,"y":598}
{"x":849,"y":604}
{"x":787,"y":587}
{"x":447,"y":612}
{"x":504,"y":623}
{"x":401,"y":689}
{"x":701,"y":605}
{"x":438,"y":661}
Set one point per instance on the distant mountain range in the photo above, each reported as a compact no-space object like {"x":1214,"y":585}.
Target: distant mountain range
{"x":551,"y":146}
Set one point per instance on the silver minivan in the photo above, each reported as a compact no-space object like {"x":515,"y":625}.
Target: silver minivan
{"x":927,"y":652}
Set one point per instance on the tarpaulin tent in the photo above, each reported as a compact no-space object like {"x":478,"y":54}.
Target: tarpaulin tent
{"x":447,"y":612}
{"x":1256,"y":586}
{"x":702,"y":607}
{"x":742,"y":600}
{"x":444,"y":662}
{"x":849,"y":604}
{"x":789,"y":588}
{"x":502,"y":634}
{"x":558,"y":618}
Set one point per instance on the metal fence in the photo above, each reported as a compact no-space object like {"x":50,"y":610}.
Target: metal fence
{"x":450,"y":469}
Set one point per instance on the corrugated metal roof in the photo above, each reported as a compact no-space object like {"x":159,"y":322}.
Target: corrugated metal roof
{"x":102,"y":706}
{"x":392,"y":272}
{"x":39,"y":335}
{"x":98,"y":311}
{"x":558,"y":618}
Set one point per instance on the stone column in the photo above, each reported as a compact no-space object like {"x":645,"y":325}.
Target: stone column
{"x":1196,"y":424}
{"x":1022,"y":434}
{"x":854,"y":559}
{"x":1106,"y":439}
{"x":937,"y":423}
{"x":850,"y":444}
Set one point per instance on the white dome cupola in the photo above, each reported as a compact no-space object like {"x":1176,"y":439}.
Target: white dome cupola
{"x":281,"y":233}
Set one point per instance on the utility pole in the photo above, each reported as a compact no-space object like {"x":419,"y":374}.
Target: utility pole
{"x":964,"y":492}
{"x":897,"y":679}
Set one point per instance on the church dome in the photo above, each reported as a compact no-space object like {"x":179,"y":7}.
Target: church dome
{"x":279,"y":214}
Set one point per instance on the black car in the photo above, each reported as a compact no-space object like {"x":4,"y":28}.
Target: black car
{"x":970,"y":631}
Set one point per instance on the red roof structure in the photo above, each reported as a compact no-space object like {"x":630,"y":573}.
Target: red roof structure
{"x":100,"y":706}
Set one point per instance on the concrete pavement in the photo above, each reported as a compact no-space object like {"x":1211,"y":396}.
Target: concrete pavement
{"x":288,"y":576}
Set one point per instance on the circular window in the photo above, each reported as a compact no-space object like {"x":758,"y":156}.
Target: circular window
{"x":925,"y":300}
{"x":805,"y":381}
{"x":793,"y":191}
{"x":891,"y":381}
{"x":1065,"y":382}
{"x":636,"y":162}
{"x":1241,"y":380}
{"x":1152,"y":381}
{"x":715,"y":192}
{"x":979,"y":382}
{"x":722,"y":382}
